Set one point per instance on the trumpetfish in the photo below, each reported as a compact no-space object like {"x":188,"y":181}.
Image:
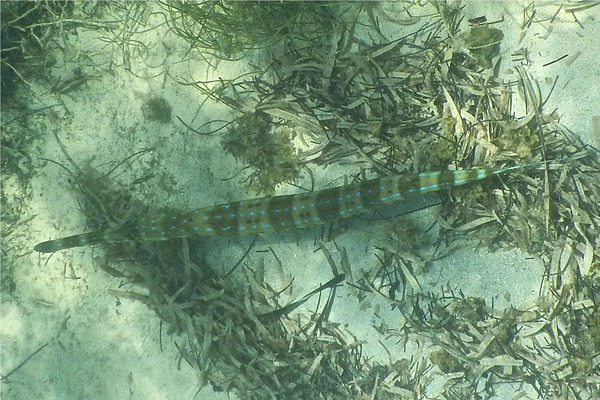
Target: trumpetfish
{"x":278,"y":213}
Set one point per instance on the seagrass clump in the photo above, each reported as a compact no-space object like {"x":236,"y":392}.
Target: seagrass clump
{"x":229,"y":30}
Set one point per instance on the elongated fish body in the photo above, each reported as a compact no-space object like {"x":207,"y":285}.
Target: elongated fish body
{"x":278,"y":213}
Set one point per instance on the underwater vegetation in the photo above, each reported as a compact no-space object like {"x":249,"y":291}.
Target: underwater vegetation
{"x":268,"y":150}
{"x":25,"y":29}
{"x":482,"y":44}
{"x":227,"y":30}
{"x":157,"y":109}
{"x":331,"y":89}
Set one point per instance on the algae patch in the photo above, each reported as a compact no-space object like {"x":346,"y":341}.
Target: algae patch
{"x":157,"y":109}
{"x":267,"y":150}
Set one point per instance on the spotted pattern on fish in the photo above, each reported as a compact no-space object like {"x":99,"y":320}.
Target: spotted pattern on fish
{"x":278,"y":213}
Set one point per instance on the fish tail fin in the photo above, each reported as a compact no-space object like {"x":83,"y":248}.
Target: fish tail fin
{"x":127,"y":232}
{"x":68,"y":242}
